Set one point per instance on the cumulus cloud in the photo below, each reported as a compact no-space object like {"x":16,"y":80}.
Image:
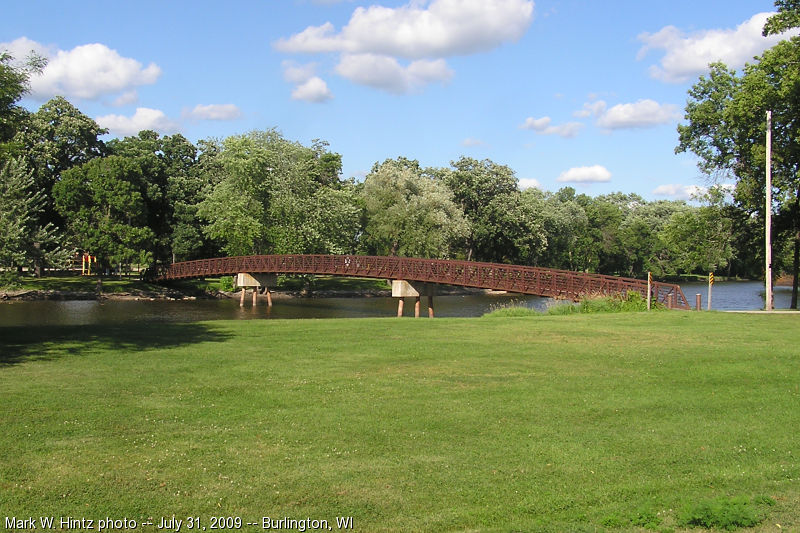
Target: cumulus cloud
{"x":443,"y":28}
{"x":384,"y":72}
{"x":528,"y":183}
{"x":143,"y":119}
{"x":85,"y":72}
{"x":214,"y":112}
{"x":641,"y":114}
{"x":543,"y":126}
{"x":312,"y":90}
{"x":592,"y":174}
{"x":421,"y":32}
{"x":308,"y":86}
{"x":688,"y":55}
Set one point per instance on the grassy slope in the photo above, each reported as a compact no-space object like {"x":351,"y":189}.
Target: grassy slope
{"x":545,"y":423}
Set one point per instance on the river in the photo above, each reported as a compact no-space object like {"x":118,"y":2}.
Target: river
{"x":726,"y":296}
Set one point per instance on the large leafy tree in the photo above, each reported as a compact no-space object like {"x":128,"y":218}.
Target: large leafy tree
{"x":271,"y":195}
{"x":409,"y":213}
{"x":105,"y":210}
{"x":174,"y":185}
{"x":726,"y":125}
{"x":54,"y":139}
{"x":485,"y":191}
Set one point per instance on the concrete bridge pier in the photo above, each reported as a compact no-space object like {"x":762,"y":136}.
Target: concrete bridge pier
{"x":403,"y":289}
{"x":256,"y":281}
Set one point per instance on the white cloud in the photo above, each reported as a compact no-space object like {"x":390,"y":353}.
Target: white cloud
{"x":591,"y":109}
{"x":687,"y":56}
{"x":22,"y":47}
{"x":214,"y":112}
{"x":444,"y":28}
{"x":313,"y":90}
{"x":543,"y":126}
{"x":471,"y":142}
{"x":527,"y":183}
{"x":143,"y":119}
{"x":641,"y":114}
{"x":87,"y":71}
{"x":308,"y":86}
{"x":424,"y":32}
{"x":593,"y":174}
{"x":384,"y":72}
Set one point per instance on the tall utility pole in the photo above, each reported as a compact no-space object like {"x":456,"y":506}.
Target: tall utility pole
{"x":768,"y":223}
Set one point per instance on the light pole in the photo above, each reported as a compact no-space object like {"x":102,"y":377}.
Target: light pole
{"x":768,"y":223}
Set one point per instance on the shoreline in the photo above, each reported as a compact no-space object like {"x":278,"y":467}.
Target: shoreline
{"x":169,"y":294}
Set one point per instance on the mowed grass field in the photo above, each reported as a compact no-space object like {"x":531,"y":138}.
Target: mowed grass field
{"x":550,"y":423}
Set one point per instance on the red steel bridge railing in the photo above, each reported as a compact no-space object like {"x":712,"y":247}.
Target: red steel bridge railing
{"x":513,"y":278}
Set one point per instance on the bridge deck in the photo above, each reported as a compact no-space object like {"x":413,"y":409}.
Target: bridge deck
{"x":513,"y":278}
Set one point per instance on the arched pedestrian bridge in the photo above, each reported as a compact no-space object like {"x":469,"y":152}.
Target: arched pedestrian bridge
{"x":513,"y":278}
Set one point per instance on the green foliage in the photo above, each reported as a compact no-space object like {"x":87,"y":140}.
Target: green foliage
{"x":726,"y":114}
{"x":103,"y":205}
{"x":724,"y":513}
{"x":226,"y":283}
{"x":409,"y":213}
{"x":26,"y":241}
{"x":788,"y":17}
{"x":270,"y":195}
{"x":632,"y":302}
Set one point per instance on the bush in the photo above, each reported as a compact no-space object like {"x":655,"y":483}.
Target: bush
{"x":724,"y":513}
{"x":226,"y":283}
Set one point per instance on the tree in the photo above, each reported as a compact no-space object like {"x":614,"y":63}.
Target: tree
{"x":481,"y":189}
{"x":54,"y":139}
{"x":105,"y":211}
{"x":699,"y":240}
{"x":271,"y":195}
{"x":25,"y":240}
{"x":726,"y":116}
{"x":174,"y":185}
{"x":788,"y":17}
{"x":409,"y":213}
{"x":14,"y":84}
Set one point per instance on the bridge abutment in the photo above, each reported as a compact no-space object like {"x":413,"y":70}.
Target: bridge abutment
{"x":256,"y":281}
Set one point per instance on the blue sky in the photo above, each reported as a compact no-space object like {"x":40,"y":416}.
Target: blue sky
{"x":580,"y":93}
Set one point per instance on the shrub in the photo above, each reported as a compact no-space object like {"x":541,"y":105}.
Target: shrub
{"x":724,"y":513}
{"x":226,"y":283}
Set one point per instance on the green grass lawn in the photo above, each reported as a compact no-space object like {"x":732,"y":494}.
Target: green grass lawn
{"x":548,"y":423}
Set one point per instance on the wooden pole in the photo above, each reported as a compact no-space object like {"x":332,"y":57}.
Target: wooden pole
{"x":698,"y":304}
{"x":768,"y":211}
{"x":649,"y":289}
{"x":255,"y":296}
{"x":399,"y":307}
{"x":241,"y":300}
{"x":430,"y":306}
{"x":269,"y":297}
{"x":416,"y":307}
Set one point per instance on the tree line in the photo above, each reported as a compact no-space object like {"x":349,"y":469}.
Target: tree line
{"x":151,"y":198}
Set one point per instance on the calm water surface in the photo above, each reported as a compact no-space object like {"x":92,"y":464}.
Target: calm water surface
{"x":725,"y":296}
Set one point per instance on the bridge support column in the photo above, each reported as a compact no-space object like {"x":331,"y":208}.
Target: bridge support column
{"x":255,"y":281}
{"x":404,"y":289}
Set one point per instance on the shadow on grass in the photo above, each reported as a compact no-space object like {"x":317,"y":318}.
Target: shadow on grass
{"x":26,"y":343}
